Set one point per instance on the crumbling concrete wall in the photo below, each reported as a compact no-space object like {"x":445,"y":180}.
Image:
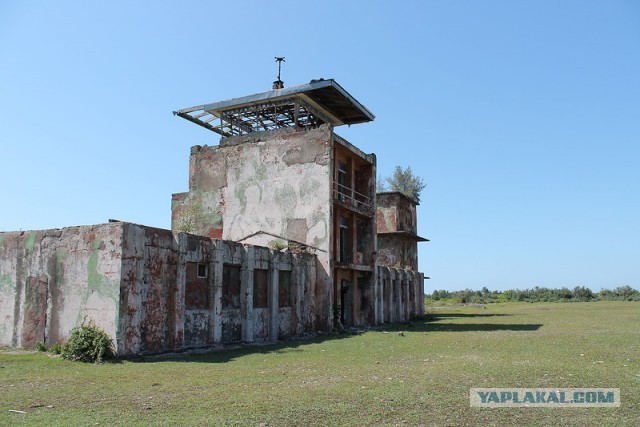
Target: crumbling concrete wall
{"x":151,"y":299}
{"x":185,"y":291}
{"x":50,"y":281}
{"x":397,"y":251}
{"x":396,"y":228}
{"x":151,"y":290}
{"x":266,"y":189}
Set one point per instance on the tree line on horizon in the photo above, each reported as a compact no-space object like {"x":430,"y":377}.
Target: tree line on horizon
{"x":537,"y":294}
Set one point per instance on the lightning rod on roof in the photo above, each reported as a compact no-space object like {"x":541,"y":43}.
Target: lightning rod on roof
{"x":279,"y":84}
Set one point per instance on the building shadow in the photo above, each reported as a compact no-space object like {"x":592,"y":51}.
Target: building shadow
{"x":445,"y":315}
{"x":440,"y":326}
{"x":228,"y":353}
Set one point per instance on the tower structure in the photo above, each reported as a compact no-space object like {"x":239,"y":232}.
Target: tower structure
{"x":282,"y":177}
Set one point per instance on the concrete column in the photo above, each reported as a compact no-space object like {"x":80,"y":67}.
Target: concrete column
{"x":397,"y":289}
{"x":420,"y":283}
{"x":403,"y":295}
{"x":307,"y":292}
{"x":379,"y":296}
{"x":387,"y":290}
{"x":417,"y":294}
{"x":298,"y":279}
{"x":181,"y":281}
{"x":274,"y":316}
{"x":246,"y":294}
{"x":215,"y":312}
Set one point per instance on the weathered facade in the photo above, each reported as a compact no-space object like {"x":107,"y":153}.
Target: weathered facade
{"x":397,"y":231}
{"x":151,"y":290}
{"x":280,"y":178}
{"x":281,"y":174}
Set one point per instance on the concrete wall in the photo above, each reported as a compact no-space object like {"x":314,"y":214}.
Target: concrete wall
{"x":151,"y":296}
{"x":51,"y":280}
{"x":395,"y":212}
{"x":185,"y":291}
{"x":397,"y":239}
{"x":397,"y":251}
{"x":264,"y":188}
{"x":151,"y":290}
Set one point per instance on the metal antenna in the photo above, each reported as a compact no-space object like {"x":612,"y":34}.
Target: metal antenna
{"x":279,"y":84}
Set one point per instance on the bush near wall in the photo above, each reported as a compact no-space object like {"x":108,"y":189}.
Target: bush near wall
{"x":88,"y":343}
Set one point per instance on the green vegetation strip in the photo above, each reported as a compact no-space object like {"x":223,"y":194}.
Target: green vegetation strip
{"x":421,"y":376}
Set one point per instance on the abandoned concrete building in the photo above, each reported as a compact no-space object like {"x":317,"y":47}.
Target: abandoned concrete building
{"x":281,"y":232}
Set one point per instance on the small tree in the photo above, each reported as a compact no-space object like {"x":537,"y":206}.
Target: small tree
{"x":405,"y":182}
{"x":190,"y":218}
{"x":88,"y":343}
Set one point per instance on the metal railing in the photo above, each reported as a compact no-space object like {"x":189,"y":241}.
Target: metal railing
{"x":352,"y":198}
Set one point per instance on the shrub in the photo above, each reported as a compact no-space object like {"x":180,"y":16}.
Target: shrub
{"x":277,"y":245}
{"x":56,"y":348}
{"x":40,"y":346}
{"x":88,"y":343}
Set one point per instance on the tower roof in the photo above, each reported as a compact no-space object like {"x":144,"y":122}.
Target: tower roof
{"x":307,"y":106}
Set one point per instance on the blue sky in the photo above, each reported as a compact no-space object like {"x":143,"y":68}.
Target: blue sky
{"x":523,"y":117}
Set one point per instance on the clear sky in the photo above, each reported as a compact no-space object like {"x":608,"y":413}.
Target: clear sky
{"x":523,"y":117}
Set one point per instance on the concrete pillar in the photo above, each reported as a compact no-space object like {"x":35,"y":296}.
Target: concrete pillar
{"x":274,"y":317}
{"x":387,"y":290}
{"x":397,"y":289}
{"x":181,"y":281}
{"x":380,"y":295}
{"x":246,"y":294}
{"x":215,"y":312}
{"x":308,"y":293}
{"x":298,"y":279}
{"x":420,"y":284}
{"x":403,"y":295}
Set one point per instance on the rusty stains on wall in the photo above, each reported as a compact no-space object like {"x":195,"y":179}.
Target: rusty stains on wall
{"x":51,"y":280}
{"x":151,"y":290}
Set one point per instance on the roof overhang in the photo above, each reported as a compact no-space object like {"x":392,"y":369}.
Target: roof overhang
{"x":406,"y":234}
{"x":320,"y":101}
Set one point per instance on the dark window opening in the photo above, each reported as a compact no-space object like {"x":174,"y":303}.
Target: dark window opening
{"x":364,"y":282}
{"x":344,"y":240}
{"x":231,"y":286}
{"x":203,"y":271}
{"x":260,"y":288}
{"x":284,"y":288}
{"x":344,"y":183}
{"x":363,"y":242}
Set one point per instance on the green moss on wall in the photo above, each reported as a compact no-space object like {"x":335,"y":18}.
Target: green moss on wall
{"x":31,"y":240}
{"x":6,"y":284}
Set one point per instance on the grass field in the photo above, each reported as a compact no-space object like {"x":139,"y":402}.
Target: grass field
{"x":421,"y":377}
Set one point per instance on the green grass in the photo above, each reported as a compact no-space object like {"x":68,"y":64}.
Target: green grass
{"x":375,"y":378}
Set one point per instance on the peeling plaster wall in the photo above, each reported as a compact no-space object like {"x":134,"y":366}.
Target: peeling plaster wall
{"x":396,"y":213}
{"x":276,"y":182}
{"x":135,"y":283}
{"x":161,"y":312}
{"x":264,"y":187}
{"x":397,"y":251}
{"x":152,"y":313}
{"x":51,"y":280}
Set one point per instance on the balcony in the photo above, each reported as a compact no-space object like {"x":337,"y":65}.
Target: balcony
{"x":353,"y":200}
